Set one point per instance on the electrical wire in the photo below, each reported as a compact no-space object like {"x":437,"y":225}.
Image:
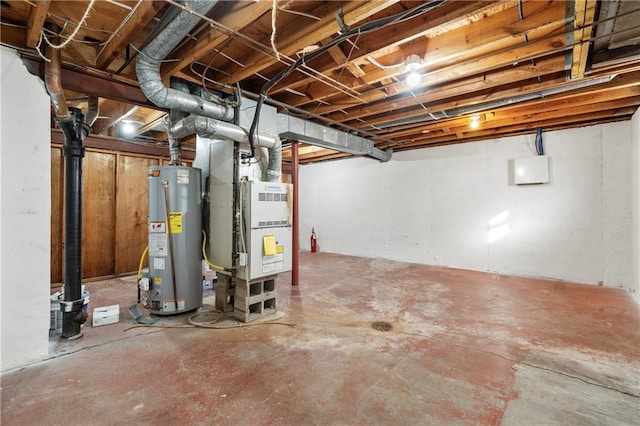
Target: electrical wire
{"x":538,"y":143}
{"x":364,"y":28}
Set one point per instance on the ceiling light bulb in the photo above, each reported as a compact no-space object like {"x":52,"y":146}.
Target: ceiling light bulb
{"x":413,"y":79}
{"x":411,"y":65}
{"x":127,"y":128}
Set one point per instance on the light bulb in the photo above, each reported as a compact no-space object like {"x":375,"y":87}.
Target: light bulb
{"x":127,"y":128}
{"x":411,"y":65}
{"x":413,"y":78}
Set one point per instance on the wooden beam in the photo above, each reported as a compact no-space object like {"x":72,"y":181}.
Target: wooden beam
{"x":493,"y":133}
{"x":297,"y":37}
{"x":241,"y":15}
{"x":491,"y":80}
{"x":150,"y":121}
{"x":446,"y":48}
{"x":341,"y":59}
{"x":491,"y":63}
{"x":116,"y":113}
{"x":526,"y":116}
{"x":585,"y":11}
{"x":140,"y":16}
{"x":93,"y":84}
{"x":35,"y":23}
{"x":120,"y":145}
{"x":627,"y":84}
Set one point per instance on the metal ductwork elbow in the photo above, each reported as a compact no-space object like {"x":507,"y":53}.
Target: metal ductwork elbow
{"x":148,"y":67}
{"x":211,"y":128}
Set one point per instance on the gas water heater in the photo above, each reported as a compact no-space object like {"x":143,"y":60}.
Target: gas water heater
{"x":174,"y":284}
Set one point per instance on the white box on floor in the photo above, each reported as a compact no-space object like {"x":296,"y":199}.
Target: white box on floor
{"x":106,"y":315}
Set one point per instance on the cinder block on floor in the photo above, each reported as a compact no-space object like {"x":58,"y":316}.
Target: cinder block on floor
{"x":254,"y":299}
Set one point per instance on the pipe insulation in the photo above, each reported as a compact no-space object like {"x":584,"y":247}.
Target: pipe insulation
{"x":211,"y":128}
{"x":148,"y":67}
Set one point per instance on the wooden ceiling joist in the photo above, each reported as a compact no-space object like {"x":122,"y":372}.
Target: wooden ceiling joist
{"x":37,"y":16}
{"x":583,"y":24}
{"x":142,"y":13}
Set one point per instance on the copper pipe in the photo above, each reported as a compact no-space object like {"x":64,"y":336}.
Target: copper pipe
{"x":52,"y":80}
{"x":295,"y":234}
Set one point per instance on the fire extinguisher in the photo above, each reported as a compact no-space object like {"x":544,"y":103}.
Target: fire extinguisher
{"x":314,"y":241}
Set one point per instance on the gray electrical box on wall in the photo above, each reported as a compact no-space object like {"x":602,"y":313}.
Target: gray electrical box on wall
{"x":531,"y":170}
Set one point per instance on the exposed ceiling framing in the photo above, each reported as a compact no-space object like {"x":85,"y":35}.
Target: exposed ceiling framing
{"x":508,"y":66}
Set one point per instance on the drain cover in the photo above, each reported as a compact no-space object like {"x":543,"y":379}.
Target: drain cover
{"x":381,"y":326}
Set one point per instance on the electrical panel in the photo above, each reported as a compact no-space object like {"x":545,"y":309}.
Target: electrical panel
{"x":531,"y":170}
{"x":267,"y":236}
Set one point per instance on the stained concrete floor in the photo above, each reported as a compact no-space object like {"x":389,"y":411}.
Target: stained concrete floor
{"x":465,"y":348}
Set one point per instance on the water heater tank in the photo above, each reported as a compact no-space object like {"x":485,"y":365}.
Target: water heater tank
{"x":175,"y":239}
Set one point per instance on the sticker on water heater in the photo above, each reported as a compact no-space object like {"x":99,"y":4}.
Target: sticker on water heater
{"x":182,"y":177}
{"x":159,"y":227}
{"x":175,"y":222}
{"x":158,"y":263}
{"x":158,"y":245}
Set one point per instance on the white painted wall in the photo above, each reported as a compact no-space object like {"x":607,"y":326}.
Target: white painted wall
{"x":634,"y":288}
{"x":455,"y":206}
{"x":25,"y":204}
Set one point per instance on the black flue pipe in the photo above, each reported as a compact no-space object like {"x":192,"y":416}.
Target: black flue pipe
{"x":73,"y":315}
{"x":71,"y":122}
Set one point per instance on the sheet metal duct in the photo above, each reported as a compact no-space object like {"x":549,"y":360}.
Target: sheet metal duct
{"x":148,"y":67}
{"x":316,"y":134}
{"x":210,"y":128}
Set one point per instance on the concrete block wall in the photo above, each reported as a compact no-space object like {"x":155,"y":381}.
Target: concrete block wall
{"x":457,"y":206}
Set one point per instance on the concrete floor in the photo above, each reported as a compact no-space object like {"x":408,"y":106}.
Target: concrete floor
{"x":465,"y":348}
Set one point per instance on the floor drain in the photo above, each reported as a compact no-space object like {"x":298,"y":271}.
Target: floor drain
{"x":381,"y":326}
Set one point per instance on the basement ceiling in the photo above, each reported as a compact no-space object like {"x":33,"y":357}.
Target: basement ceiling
{"x":487,"y":69}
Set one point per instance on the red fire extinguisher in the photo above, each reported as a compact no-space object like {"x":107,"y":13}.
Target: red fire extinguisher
{"x":314,"y":241}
